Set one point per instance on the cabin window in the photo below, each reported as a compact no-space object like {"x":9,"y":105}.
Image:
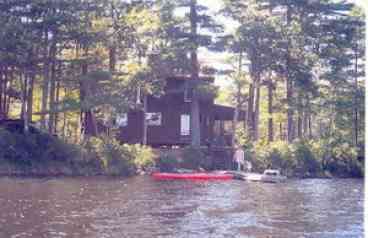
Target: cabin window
{"x":154,"y":118}
{"x":121,"y":120}
{"x":185,"y":125}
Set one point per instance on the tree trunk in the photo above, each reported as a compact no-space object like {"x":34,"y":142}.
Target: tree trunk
{"x":245,"y":123}
{"x":290,"y":111}
{"x":24,"y":86}
{"x":2,"y":88}
{"x":82,"y":96}
{"x":52,"y":80}
{"x":80,"y":129}
{"x":64,"y":116}
{"x":45,"y":84}
{"x":234,"y":124}
{"x":289,"y":85}
{"x":300,"y":117}
{"x":300,"y":125}
{"x":305,"y":124}
{"x":310,"y":126}
{"x":306,"y":117}
{"x":144,"y":136}
{"x":1,"y":92}
{"x":256,"y":109}
{"x":32,"y":76}
{"x":112,"y":58}
{"x":356,"y":128}
{"x":195,"y":121}
{"x":5,"y":97}
{"x":30,"y":95}
{"x":251,"y":111}
{"x":112,"y":66}
{"x":22,"y":95}
{"x":281,"y":132}
{"x":93,"y":123}
{"x":195,"y":109}
{"x":237,"y":108}
{"x":270,"y":111}
{"x":88,"y":119}
{"x":8,"y":99}
{"x":57,"y":101}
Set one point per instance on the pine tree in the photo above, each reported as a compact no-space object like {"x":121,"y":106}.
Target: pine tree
{"x":258,"y":38}
{"x":188,"y":33}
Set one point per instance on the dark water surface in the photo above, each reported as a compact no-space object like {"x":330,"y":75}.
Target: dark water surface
{"x":143,"y":207}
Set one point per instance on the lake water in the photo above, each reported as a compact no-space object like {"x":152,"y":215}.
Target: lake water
{"x":143,"y":207}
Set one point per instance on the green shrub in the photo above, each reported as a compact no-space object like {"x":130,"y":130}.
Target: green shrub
{"x":167,"y":162}
{"x":340,"y":157}
{"x":115,"y":158}
{"x":276,"y":155}
{"x":356,"y":168}
{"x":94,"y":156}
{"x":60,"y":151}
{"x":92,"y":149}
{"x":109,"y":155}
{"x":143,"y":156}
{"x":26,"y":149}
{"x":195,"y":158}
{"x":120,"y":161}
{"x":306,"y":159}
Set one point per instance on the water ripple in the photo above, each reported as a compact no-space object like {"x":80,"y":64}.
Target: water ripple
{"x":143,"y":207}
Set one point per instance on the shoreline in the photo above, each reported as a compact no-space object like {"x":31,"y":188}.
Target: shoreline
{"x":62,"y":170}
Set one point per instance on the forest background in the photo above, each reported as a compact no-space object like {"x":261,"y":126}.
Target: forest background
{"x":295,"y":67}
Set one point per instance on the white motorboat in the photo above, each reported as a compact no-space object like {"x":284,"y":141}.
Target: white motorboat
{"x":269,"y":176}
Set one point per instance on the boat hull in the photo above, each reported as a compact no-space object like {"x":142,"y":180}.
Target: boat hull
{"x":192,"y":176}
{"x":264,"y":178}
{"x":255,"y":177}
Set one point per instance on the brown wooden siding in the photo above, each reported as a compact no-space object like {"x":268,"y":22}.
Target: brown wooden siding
{"x":172,"y":106}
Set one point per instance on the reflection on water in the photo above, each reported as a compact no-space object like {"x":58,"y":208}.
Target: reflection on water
{"x":143,"y":207}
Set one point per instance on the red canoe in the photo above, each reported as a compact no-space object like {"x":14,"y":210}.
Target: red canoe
{"x":191,"y":176}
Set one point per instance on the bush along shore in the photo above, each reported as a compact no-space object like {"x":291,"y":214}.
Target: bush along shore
{"x":324,"y":158}
{"x":40,"y":154}
{"x":301,"y":159}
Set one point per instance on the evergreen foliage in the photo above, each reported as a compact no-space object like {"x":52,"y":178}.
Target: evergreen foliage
{"x":73,"y":66}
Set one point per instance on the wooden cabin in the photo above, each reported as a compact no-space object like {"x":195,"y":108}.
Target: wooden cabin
{"x":168,"y":117}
